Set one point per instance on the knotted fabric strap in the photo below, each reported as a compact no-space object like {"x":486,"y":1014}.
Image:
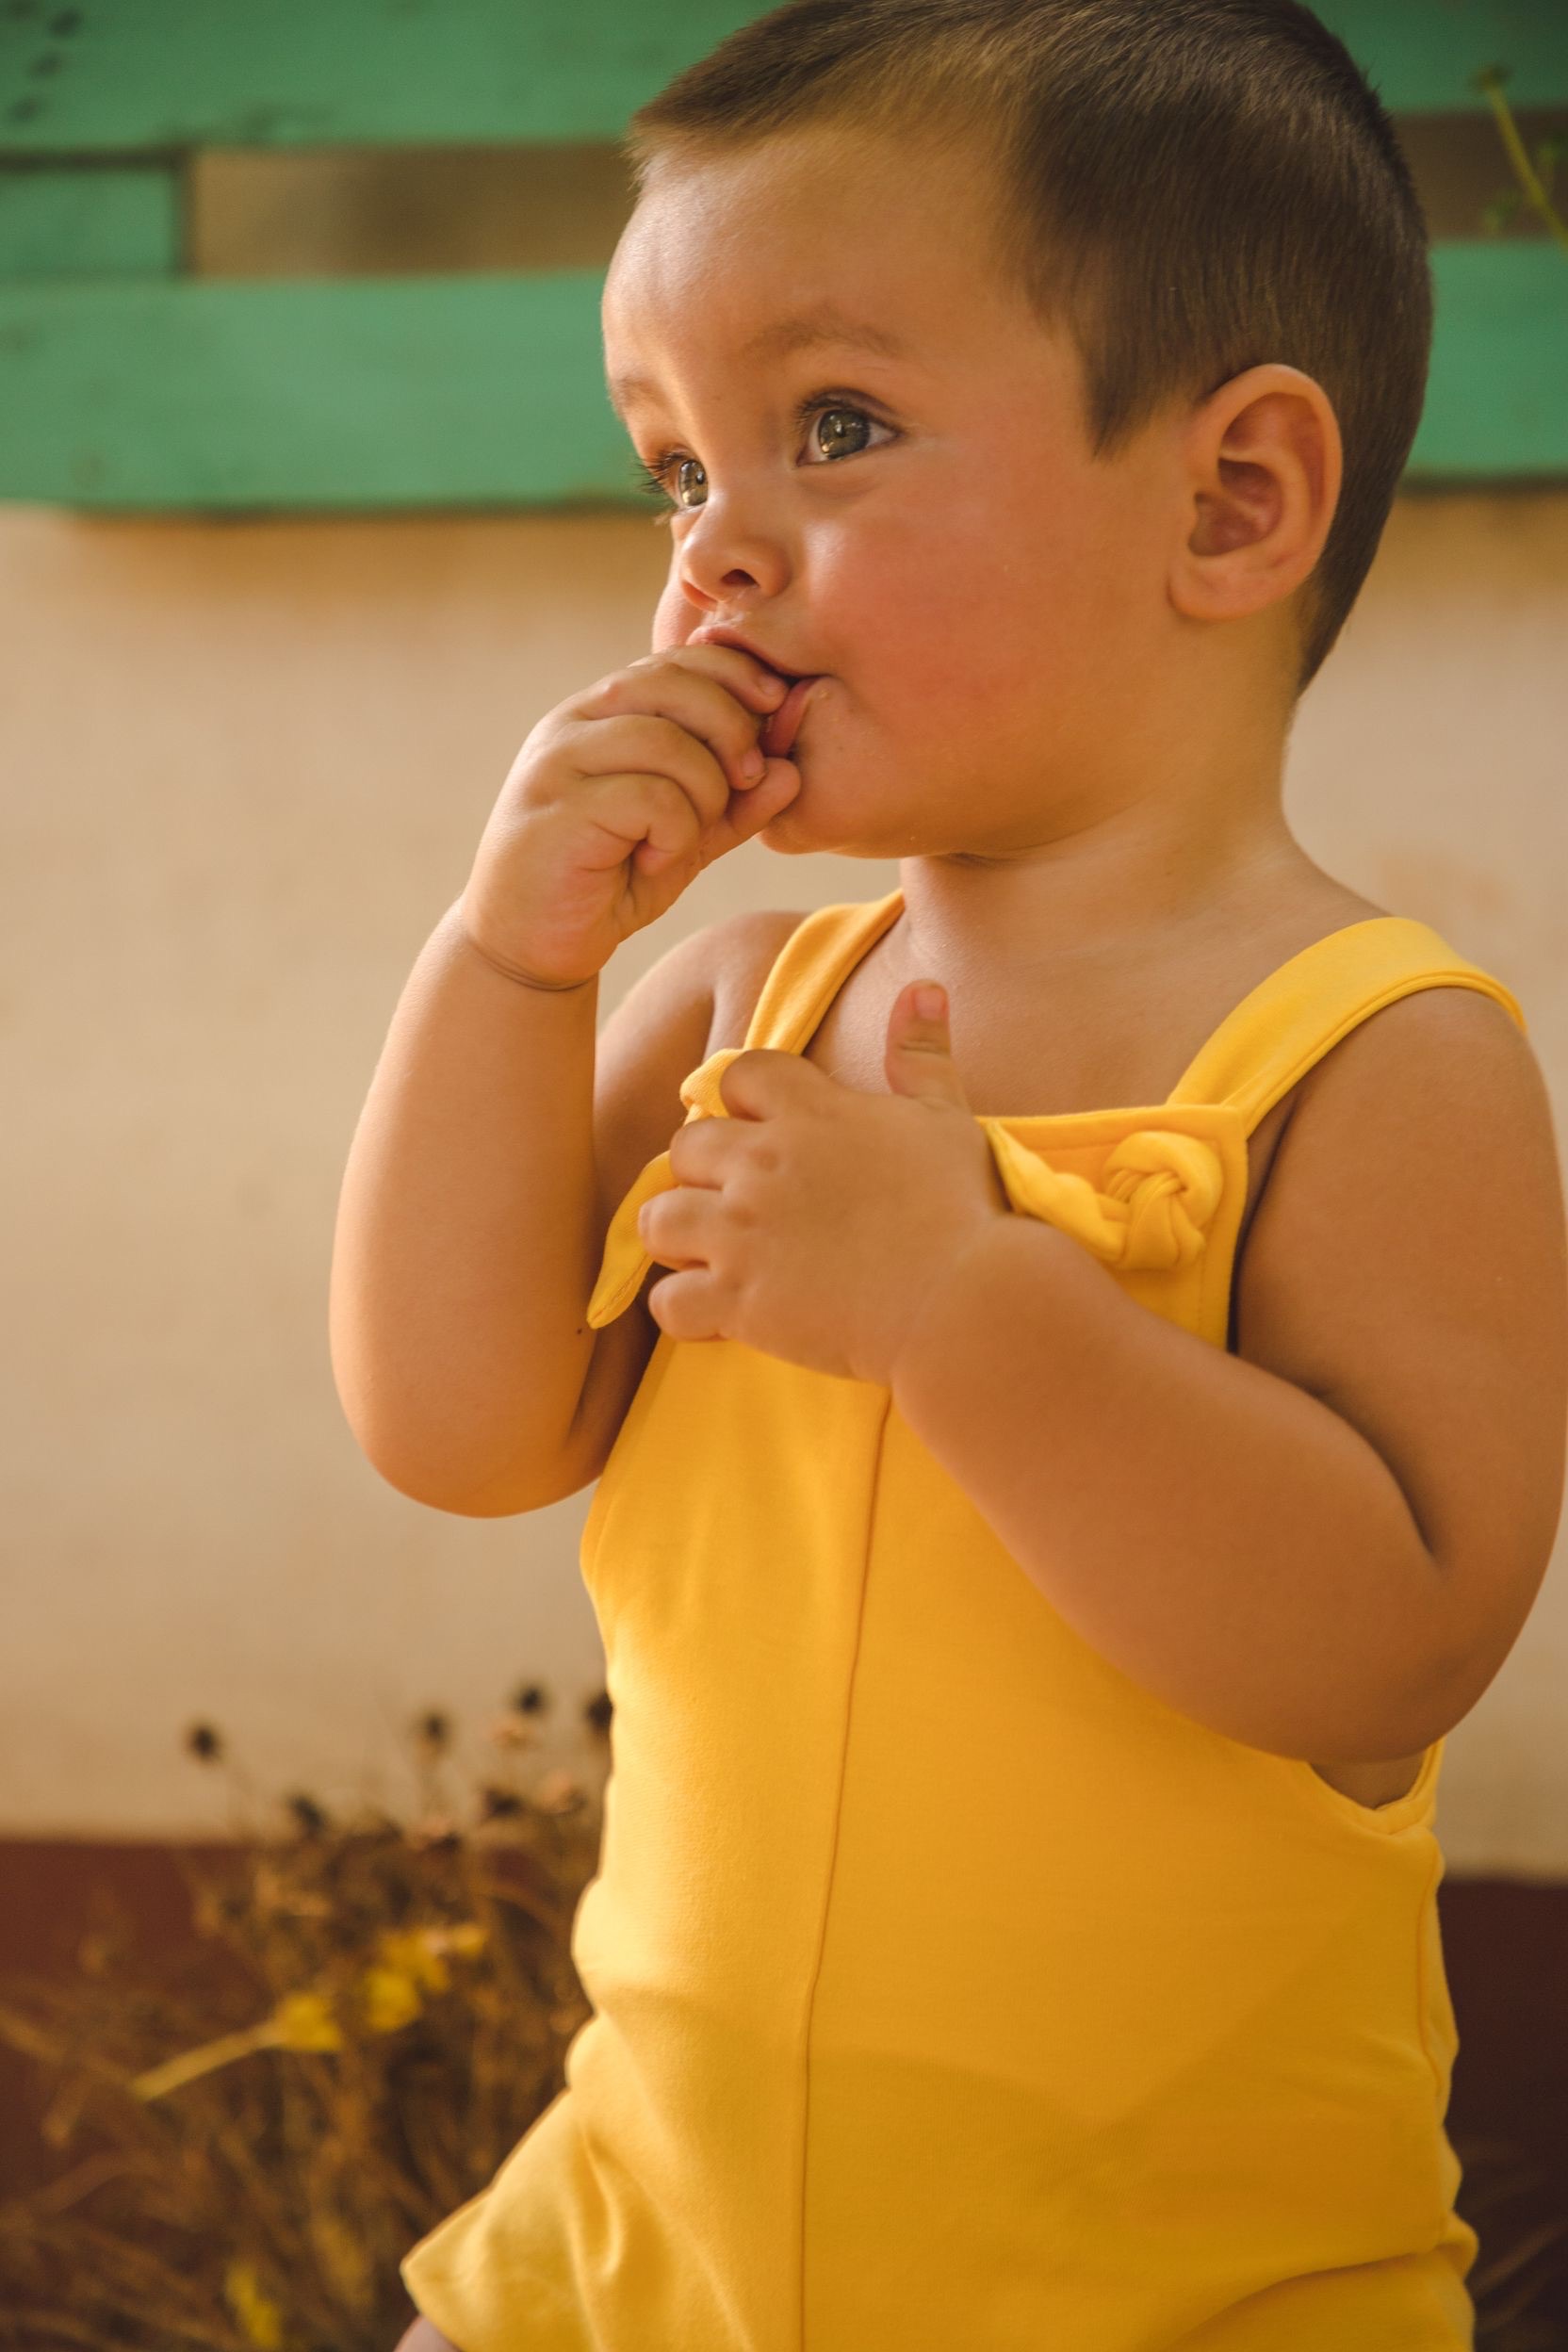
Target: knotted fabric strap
{"x":1160,"y":1191}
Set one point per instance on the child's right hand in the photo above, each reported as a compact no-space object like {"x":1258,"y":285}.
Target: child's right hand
{"x":619,"y":797}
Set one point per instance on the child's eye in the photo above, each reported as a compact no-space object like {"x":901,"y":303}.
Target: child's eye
{"x":844,"y":423}
{"x":685,"y":468}
{"x":841,"y":421}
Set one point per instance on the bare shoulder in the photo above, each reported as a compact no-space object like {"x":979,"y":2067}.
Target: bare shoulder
{"x":745,"y":951}
{"x":1445,"y":1073}
{"x":674,"y":1015}
{"x":1408,"y":1265}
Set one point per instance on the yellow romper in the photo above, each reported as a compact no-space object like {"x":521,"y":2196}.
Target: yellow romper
{"x":952,"y":1993}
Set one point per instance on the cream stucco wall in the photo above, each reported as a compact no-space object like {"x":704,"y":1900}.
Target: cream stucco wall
{"x":245,"y":767}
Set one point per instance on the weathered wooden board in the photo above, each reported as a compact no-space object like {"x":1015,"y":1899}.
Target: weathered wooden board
{"x":138,"y":77}
{"x":104,"y":221}
{"x":126,"y":384}
{"x":488,"y":390}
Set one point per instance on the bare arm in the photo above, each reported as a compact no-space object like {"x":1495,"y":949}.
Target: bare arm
{"x":1328,"y":1550}
{"x":468,"y":1232}
{"x":512,"y":1364}
{"x":474,"y":1206}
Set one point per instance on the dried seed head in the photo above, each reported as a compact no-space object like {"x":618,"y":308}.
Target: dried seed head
{"x":512,"y":1730}
{"x":560,"y":1791}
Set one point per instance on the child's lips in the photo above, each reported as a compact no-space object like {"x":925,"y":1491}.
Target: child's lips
{"x":780,"y":727}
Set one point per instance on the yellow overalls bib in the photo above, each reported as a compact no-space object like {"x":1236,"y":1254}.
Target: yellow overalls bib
{"x":952,"y":1993}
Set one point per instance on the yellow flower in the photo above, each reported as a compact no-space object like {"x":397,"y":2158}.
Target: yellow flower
{"x":410,"y":1964}
{"x":391,"y":1999}
{"x":391,"y":1995}
{"x":258,"y":2316}
{"x":303,"y":2022}
{"x":300,"y":2021}
{"x":416,"y":1953}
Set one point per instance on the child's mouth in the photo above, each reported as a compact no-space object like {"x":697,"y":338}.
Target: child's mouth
{"x":779,"y":729}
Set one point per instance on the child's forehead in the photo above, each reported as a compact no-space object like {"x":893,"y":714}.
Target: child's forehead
{"x":824,"y":202}
{"x":799,"y":239}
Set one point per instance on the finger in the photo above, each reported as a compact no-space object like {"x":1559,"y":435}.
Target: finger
{"x":702,"y":1151}
{"x":760,"y":1081}
{"x":686,"y":1306}
{"x":648,"y":744}
{"x":667,"y":822}
{"x":725,"y":711}
{"x":676,"y":1228}
{"x":747,"y":813}
{"x":761,"y":688}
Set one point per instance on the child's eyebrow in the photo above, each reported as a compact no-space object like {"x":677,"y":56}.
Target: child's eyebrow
{"x":802,"y":331}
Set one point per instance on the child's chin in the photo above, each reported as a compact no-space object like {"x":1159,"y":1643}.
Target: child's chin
{"x":784,"y":835}
{"x":810,"y":823}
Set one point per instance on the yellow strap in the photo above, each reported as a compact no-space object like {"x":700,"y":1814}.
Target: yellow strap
{"x":1294,"y":1017}
{"x":811,"y":966}
{"x":1161,"y":1187}
{"x":1262,"y":1048}
{"x":1161,"y":1190}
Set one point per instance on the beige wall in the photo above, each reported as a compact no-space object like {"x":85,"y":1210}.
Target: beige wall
{"x":245,"y":768}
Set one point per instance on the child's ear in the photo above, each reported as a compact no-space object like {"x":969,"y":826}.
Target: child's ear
{"x":1264,"y":462}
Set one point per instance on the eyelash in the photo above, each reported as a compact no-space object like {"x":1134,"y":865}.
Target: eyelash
{"x":652,"y":478}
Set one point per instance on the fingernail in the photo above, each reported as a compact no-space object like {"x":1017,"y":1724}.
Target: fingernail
{"x":931,"y":1002}
{"x":754,"y":765}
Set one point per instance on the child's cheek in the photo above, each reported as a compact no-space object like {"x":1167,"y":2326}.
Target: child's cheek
{"x":674,"y":616}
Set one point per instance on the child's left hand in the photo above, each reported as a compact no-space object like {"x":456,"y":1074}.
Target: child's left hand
{"x":815,"y":1221}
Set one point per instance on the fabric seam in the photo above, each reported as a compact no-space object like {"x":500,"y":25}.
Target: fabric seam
{"x":833,"y":1858}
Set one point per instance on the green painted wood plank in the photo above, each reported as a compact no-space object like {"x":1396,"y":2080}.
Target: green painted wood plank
{"x":1420,"y":54}
{"x":98,"y":222}
{"x":104,"y":77}
{"x":318,"y":395}
{"x":167,"y":74}
{"x":1498,"y":398}
{"x":488,"y":390}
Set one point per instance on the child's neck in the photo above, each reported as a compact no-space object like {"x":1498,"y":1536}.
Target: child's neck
{"x":1130,"y":890}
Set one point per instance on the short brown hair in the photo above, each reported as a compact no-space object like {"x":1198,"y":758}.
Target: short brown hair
{"x":1193,"y":187}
